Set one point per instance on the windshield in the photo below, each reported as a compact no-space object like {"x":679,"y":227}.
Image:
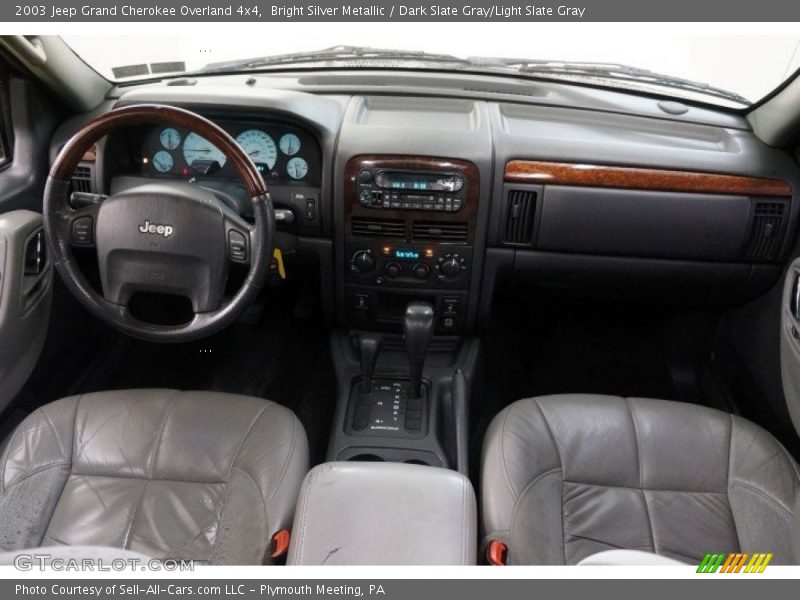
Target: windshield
{"x":728,"y":70}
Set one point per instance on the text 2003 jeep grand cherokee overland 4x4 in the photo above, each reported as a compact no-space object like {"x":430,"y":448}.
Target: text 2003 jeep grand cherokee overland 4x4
{"x":420,"y":310}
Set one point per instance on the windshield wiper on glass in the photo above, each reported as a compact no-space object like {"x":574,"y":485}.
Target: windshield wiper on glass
{"x":611,"y":71}
{"x":340,"y":55}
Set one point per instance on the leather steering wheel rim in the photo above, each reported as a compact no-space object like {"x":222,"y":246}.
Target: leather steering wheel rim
{"x":59,"y":216}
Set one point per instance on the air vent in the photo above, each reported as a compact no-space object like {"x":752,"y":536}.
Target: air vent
{"x":520,"y":213}
{"x":765,"y":233}
{"x":82,"y":179}
{"x":382,"y":228}
{"x":440,"y":231}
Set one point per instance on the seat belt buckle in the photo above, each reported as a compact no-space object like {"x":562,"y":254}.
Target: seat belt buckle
{"x":496,"y":553}
{"x":280,"y":544}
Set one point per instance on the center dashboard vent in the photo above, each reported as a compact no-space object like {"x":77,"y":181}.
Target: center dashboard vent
{"x":765,"y":232}
{"x":440,"y":231}
{"x":378,"y":228}
{"x":520,"y":217}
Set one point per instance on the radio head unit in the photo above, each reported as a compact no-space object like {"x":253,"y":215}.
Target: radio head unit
{"x":440,"y":191}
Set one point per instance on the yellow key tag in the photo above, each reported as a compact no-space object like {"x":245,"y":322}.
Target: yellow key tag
{"x":277,"y":256}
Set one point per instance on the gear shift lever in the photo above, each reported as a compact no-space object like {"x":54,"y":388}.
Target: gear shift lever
{"x":368,"y":345}
{"x":417,"y":330}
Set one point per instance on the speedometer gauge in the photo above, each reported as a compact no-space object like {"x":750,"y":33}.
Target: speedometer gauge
{"x":297,"y":168}
{"x":198,"y":149}
{"x":259,"y":146}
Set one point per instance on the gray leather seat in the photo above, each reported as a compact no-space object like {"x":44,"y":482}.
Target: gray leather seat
{"x":185,"y":475}
{"x":565,"y":477}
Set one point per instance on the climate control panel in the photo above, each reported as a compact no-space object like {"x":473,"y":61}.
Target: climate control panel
{"x":415,"y":264}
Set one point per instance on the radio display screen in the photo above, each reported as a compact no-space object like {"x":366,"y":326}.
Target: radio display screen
{"x":410,"y":184}
{"x":395,"y":180}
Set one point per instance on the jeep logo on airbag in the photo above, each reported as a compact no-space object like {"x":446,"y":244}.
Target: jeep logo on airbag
{"x":153,"y":229}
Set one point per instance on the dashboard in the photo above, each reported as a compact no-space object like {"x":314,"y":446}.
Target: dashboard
{"x":574,"y":189}
{"x":283,"y":153}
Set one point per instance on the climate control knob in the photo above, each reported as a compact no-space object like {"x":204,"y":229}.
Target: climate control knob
{"x":450,"y":265}
{"x":362,"y":261}
{"x":392,"y":270}
{"x":421,"y":271}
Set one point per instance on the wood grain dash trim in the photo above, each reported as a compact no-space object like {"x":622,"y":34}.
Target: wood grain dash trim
{"x":633,"y":178}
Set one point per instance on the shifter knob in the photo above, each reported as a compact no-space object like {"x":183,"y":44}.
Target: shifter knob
{"x":417,"y":330}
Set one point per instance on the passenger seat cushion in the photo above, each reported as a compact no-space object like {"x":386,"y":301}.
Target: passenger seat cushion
{"x":190,"y":475}
{"x":565,"y":477}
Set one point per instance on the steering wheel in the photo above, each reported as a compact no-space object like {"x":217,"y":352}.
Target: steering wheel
{"x":172,"y":238}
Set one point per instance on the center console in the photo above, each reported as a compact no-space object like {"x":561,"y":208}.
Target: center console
{"x":384,"y":514}
{"x":409,"y":235}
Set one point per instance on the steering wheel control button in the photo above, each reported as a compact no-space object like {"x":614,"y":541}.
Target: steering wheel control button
{"x":237,"y":245}
{"x":83,"y":231}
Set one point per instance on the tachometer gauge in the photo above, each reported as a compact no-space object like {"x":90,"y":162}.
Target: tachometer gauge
{"x":259,"y":146}
{"x":297,"y":168}
{"x":197,"y":148}
{"x":289,"y":144}
{"x":163,"y":161}
{"x":170,"y":138}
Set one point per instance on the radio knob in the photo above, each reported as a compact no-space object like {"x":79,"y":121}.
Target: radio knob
{"x":392,"y":270}
{"x":363,"y":261}
{"x":365,"y":176}
{"x":450,"y":267}
{"x":421,"y":271}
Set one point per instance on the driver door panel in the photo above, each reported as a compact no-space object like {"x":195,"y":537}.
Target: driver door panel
{"x":26,"y":283}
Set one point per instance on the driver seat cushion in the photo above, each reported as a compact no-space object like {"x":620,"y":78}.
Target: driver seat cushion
{"x":199,"y":476}
{"x":567,"y":476}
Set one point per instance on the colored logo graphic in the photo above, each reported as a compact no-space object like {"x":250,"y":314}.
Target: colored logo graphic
{"x":740,"y":562}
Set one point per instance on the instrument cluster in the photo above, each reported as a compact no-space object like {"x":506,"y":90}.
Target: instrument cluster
{"x":282,"y":153}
